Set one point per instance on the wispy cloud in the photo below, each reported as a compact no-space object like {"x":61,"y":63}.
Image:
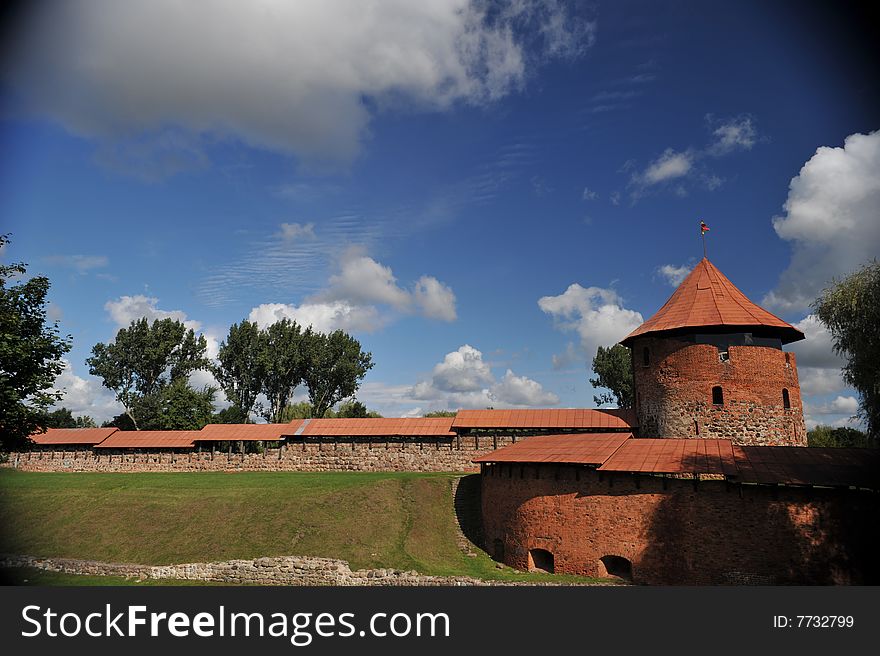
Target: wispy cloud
{"x":82,"y":264}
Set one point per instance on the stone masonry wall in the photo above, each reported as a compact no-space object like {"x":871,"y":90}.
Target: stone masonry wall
{"x":679,"y":532}
{"x":284,"y":570}
{"x":674,"y":393}
{"x":426,"y":456}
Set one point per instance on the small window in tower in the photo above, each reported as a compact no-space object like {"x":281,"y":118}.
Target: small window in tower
{"x":646,"y":356}
{"x":786,"y":399}
{"x":717,"y":395}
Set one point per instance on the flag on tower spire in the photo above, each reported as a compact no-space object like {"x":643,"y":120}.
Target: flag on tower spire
{"x":703,"y":230}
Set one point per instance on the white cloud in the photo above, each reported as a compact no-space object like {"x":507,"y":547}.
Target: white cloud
{"x":830,"y":218}
{"x":462,"y":370}
{"x":126,"y":309}
{"x":362,"y":280}
{"x":597,"y":315}
{"x":668,"y":166}
{"x":589,"y":194}
{"x":321,"y":316}
{"x":436,"y":300}
{"x":294,"y":231}
{"x":352,"y":297}
{"x":464,"y":380}
{"x":734,"y":134}
{"x":285,"y":76}
{"x":85,"y":396}
{"x":817,"y":349}
{"x":80,"y":263}
{"x":818,"y":380}
{"x":521,"y":391}
{"x":674,"y":275}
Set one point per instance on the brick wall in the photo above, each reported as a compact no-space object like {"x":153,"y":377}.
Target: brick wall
{"x":407,"y":455}
{"x":676,"y":531}
{"x":674,"y":393}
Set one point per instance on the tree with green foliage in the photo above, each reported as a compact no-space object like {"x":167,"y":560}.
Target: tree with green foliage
{"x":850,"y":308}
{"x":143,"y":360}
{"x":181,"y":407}
{"x":241,"y":366}
{"x":63,"y":418}
{"x":336,"y":365}
{"x":354,"y":409}
{"x":301,"y":410}
{"x":613,"y":369}
{"x":842,"y":437}
{"x":285,"y":356}
{"x":441,"y":413}
{"x":30,"y":355}
{"x":230,"y":415}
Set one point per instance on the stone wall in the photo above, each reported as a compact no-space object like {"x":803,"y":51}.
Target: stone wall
{"x":403,"y":455}
{"x":680,"y":532}
{"x":284,"y":570}
{"x":674,"y":393}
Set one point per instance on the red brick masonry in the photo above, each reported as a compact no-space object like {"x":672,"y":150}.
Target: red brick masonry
{"x":674,"y":393}
{"x":678,"y":531}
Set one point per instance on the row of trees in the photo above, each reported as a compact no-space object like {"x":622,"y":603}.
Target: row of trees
{"x":148,"y":366}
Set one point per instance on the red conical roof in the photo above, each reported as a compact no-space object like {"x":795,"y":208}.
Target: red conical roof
{"x":707,"y":299}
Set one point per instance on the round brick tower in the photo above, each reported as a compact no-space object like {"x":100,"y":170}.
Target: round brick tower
{"x":710,"y":364}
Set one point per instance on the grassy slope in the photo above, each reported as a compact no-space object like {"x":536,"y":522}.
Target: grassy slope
{"x":391,"y":520}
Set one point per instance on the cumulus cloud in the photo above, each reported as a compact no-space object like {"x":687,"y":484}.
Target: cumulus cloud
{"x":841,"y":405}
{"x":436,"y":300}
{"x":462,"y":370}
{"x":290,"y":77}
{"x":363,"y":280}
{"x":830,"y":219}
{"x":126,"y":309}
{"x":817,"y":349}
{"x":85,"y":396}
{"x":464,"y":380}
{"x":816,"y":381}
{"x":323,"y":317}
{"x":295,"y":231}
{"x":589,"y":194}
{"x":354,"y":295}
{"x":674,"y":275}
{"x":519,"y":390}
{"x":597,"y":315}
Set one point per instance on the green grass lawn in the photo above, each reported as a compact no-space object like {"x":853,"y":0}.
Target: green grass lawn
{"x":388,"y":520}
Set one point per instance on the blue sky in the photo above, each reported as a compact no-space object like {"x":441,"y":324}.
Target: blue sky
{"x":481,"y":193}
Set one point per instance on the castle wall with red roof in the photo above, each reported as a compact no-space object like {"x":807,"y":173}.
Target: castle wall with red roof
{"x":673,"y":393}
{"x":677,"y":531}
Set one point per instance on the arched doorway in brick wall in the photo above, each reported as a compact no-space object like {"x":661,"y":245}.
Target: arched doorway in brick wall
{"x":540,"y":560}
{"x":615,"y":566}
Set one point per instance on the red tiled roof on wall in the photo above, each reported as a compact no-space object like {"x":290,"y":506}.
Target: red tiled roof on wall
{"x":81,"y":436}
{"x":769,"y":465}
{"x":576,"y":418}
{"x":248,"y":432}
{"x":585,"y":449}
{"x":378,"y":427}
{"x":149,"y":440}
